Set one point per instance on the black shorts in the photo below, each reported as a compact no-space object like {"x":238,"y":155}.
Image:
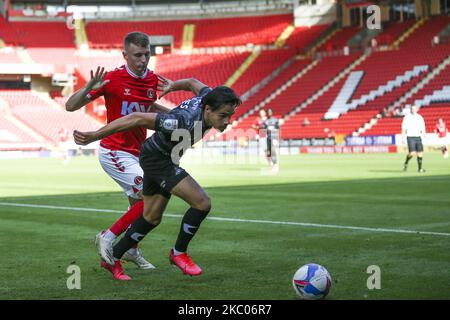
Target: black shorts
{"x":161,"y":175}
{"x":414,"y":144}
{"x":269,"y":147}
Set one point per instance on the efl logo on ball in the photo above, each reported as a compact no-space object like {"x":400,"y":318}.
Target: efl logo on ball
{"x":312,"y":282}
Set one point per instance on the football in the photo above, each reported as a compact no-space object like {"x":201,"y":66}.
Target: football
{"x":312,"y":282}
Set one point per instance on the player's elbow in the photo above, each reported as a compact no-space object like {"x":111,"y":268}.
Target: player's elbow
{"x":69,"y":107}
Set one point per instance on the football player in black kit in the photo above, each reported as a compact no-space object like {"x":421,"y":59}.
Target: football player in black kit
{"x":174,"y":133}
{"x":272,"y":125}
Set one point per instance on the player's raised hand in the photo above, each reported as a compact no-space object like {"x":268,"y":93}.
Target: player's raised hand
{"x":164,"y":85}
{"x":96,"y":81}
{"x":84,"y":138}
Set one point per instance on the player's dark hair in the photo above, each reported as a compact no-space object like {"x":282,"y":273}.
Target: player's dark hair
{"x":137,"y":38}
{"x":219,"y":96}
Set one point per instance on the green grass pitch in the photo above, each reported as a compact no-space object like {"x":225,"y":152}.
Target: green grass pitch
{"x":243,"y":259}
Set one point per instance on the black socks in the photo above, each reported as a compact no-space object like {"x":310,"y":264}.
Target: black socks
{"x":135,"y":233}
{"x":189,"y":226}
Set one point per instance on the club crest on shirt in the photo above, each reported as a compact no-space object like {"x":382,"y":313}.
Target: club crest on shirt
{"x":151,"y":93}
{"x":138,"y":180}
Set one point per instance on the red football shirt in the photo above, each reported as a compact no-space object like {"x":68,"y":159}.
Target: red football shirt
{"x":441,"y":130}
{"x":259,"y":124}
{"x":124,"y":94}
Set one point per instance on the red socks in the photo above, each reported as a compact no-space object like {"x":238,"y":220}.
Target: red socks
{"x":132,"y":214}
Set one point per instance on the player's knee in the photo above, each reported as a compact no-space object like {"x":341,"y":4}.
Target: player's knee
{"x":150,"y":217}
{"x":203,"y":204}
{"x":153,"y":220}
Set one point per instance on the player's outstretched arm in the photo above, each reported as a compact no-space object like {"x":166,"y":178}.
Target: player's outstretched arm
{"x":190,"y":84}
{"x":79,"y":98}
{"x":131,"y":121}
{"x":160,"y":108}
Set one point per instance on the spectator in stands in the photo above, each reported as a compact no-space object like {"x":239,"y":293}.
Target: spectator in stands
{"x":330,"y":133}
{"x":306,"y":122}
{"x":413,"y":128}
{"x":441,"y":131}
{"x":397,"y":113}
{"x":128,"y":89}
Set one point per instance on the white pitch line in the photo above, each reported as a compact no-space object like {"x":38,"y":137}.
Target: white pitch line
{"x":291,"y":223}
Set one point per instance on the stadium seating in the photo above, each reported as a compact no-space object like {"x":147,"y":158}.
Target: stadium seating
{"x":302,"y":37}
{"x":53,"y":42}
{"x":9,"y":55}
{"x":392,"y":31}
{"x":45,"y":119}
{"x":240,"y":30}
{"x":418,"y":47}
{"x":379,"y":68}
{"x":11,"y":134}
{"x":211,"y":69}
{"x":340,"y":39}
{"x":39,"y":35}
{"x":111,"y":34}
{"x":269,"y":60}
{"x":267,"y":90}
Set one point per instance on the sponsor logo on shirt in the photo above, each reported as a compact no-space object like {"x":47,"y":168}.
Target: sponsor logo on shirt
{"x":130,"y":107}
{"x":170,"y":124}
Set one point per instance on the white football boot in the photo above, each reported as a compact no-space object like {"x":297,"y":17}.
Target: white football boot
{"x":137,"y":258}
{"x":104,"y":248}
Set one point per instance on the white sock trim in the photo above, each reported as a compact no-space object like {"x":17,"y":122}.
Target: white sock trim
{"x":108,"y":235}
{"x":176,"y":252}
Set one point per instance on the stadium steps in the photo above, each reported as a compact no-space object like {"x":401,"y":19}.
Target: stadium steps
{"x":324,"y":89}
{"x":50,"y":102}
{"x":420,"y":85}
{"x":81,"y":38}
{"x":279,"y":43}
{"x":277,"y":92}
{"x":188,"y":37}
{"x":261,"y":84}
{"x":30,"y":131}
{"x":8,"y":115}
{"x":243,"y":67}
{"x":328,"y":35}
{"x":408,"y":33}
{"x":24,"y":56}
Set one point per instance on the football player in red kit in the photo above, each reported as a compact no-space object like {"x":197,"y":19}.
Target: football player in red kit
{"x":441,"y":130}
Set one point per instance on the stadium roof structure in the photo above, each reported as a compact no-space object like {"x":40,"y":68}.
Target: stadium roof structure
{"x":116,"y":2}
{"x":140,"y":9}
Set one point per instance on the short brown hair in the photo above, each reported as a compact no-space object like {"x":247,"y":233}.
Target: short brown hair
{"x":136,"y":38}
